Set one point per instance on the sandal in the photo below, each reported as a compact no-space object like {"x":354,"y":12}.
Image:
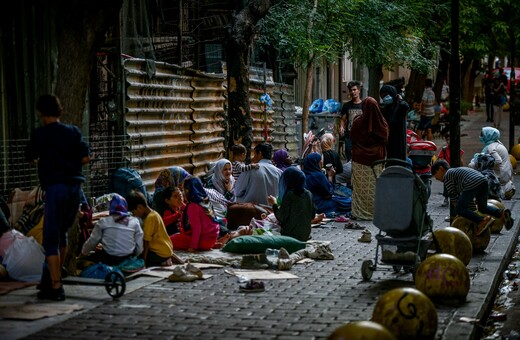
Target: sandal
{"x":354,"y":226}
{"x":252,"y":286}
{"x":342,"y":218}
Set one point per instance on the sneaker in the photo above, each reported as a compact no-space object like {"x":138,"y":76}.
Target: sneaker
{"x":252,"y":286}
{"x":484,"y":224}
{"x":508,"y":220}
{"x":445,"y":203}
{"x":366,"y":236}
{"x":447,"y":219}
{"x":182,"y":275}
{"x":54,"y":294}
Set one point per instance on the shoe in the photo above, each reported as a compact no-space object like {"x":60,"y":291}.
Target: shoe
{"x":194,"y":270}
{"x":508,"y":220}
{"x":181,"y":275}
{"x":484,"y":224}
{"x":54,"y":294}
{"x":341,"y":218}
{"x":366,"y":236}
{"x":447,"y":219}
{"x":257,"y":261}
{"x":252,"y":286}
{"x":445,"y":203}
{"x":353,"y":226}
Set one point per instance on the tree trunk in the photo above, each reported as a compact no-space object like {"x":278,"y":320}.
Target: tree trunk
{"x":307,"y":99}
{"x":81,"y":31}
{"x":375,"y":74}
{"x":415,"y":87}
{"x":442,"y":72}
{"x":240,"y":37}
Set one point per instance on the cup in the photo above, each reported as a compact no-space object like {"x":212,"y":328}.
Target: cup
{"x":328,"y":166}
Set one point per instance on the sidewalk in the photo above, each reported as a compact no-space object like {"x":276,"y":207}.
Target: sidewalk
{"x":325,"y":295}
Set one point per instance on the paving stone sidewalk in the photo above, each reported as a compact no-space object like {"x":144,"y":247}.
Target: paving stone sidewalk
{"x":324,"y":295}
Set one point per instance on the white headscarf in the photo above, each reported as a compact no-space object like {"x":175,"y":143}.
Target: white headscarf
{"x":218,"y":178}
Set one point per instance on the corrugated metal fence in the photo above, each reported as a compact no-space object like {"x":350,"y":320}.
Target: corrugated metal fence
{"x":177,"y":117}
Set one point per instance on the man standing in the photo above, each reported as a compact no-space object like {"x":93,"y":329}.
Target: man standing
{"x":60,"y":152}
{"x":350,"y":109}
{"x":255,"y":185}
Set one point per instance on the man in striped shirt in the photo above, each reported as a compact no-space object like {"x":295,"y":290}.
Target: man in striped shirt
{"x":464,"y":185}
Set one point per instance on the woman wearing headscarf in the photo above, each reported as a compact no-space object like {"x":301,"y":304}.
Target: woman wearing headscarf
{"x":281,"y":159}
{"x":369,"y":136}
{"x":330,"y":156}
{"x":200,"y":228}
{"x":296,"y":209}
{"x":220,"y":178}
{"x":120,"y":235}
{"x":395,"y":110}
{"x":320,"y":185}
{"x":170,"y":177}
{"x":503,"y":168}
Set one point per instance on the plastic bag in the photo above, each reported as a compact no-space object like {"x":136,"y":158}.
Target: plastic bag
{"x":331,"y":105}
{"x":316,"y":106}
{"x":98,"y":271}
{"x":24,"y":259}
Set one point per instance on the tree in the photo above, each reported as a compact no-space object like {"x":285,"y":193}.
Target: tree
{"x":81,"y":28}
{"x":241,"y":33}
{"x":307,"y":32}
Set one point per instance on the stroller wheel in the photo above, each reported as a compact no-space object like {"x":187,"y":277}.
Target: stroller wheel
{"x":367,"y":268}
{"x":396,"y":269}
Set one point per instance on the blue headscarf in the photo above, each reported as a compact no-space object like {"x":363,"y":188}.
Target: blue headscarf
{"x":292,"y":179}
{"x":312,"y":163}
{"x":489,"y":135}
{"x":119,"y":208}
{"x":196,"y":194}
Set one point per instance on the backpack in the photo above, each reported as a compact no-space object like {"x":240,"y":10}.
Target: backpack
{"x":124,"y":180}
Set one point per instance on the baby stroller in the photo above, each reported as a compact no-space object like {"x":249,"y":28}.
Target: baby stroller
{"x":421,"y":153}
{"x":401,"y":217}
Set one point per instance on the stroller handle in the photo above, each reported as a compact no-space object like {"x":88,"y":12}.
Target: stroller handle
{"x":393,"y":160}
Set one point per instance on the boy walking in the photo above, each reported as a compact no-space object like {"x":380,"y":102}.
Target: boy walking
{"x":60,"y":152}
{"x":463,"y":185}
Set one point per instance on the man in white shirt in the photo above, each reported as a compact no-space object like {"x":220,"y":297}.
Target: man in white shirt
{"x":255,"y":185}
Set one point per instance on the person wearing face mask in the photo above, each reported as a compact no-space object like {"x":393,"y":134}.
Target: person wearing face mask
{"x":394,"y":110}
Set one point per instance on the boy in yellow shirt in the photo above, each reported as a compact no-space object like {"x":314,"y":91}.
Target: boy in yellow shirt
{"x":157,"y":247}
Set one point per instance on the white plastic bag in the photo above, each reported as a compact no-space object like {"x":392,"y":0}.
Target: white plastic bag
{"x":24,"y":259}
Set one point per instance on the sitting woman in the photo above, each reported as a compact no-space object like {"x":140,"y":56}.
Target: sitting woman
{"x":119,"y":234}
{"x":172,"y":177}
{"x":199,"y":228}
{"x":330,"y":156}
{"x":322,"y":189}
{"x":490,"y":137}
{"x":296,"y":208}
{"x":220,"y":178}
{"x":174,"y":201}
{"x":281,"y":159}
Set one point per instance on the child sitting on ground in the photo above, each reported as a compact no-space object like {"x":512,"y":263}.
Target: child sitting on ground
{"x":157,"y":247}
{"x":120,"y":235}
{"x":172,"y":215}
{"x":199,"y":229}
{"x":237,"y":160}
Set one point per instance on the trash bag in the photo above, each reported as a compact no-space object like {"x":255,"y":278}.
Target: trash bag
{"x":332,"y":106}
{"x":23,"y":259}
{"x":316,"y":106}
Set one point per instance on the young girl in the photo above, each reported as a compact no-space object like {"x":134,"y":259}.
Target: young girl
{"x":199,"y":229}
{"x":174,"y":202}
{"x":296,"y":207}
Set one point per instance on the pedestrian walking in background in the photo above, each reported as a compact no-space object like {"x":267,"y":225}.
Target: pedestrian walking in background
{"x":427,"y":111}
{"x":349,"y":111}
{"x":488,"y":95}
{"x":369,"y":137}
{"x":477,"y":86}
{"x":60,"y":152}
{"x":499,"y":99}
{"x":395,"y":111}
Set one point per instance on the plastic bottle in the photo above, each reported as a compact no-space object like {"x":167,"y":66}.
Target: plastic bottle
{"x":272,"y":257}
